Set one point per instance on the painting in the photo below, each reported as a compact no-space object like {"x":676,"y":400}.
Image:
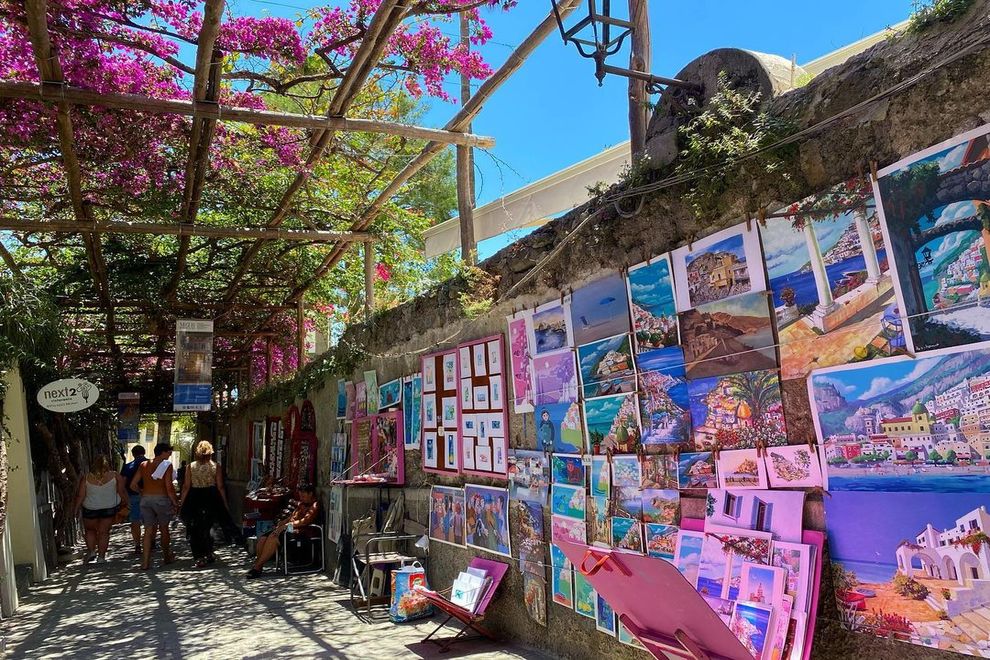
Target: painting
{"x":599,"y":522}
{"x":931,"y":207}
{"x":535,"y":596}
{"x":606,"y":367}
{"x":530,"y":534}
{"x":604,"y":617}
{"x":625,"y":471}
{"x":651,"y":301}
{"x":626,"y":637}
{"x":360,"y":400}
{"x":661,"y":506}
{"x":562,"y":585}
{"x":697,"y":470}
{"x":737,"y":411}
{"x":796,"y":560}
{"x":390,"y":394}
{"x":762,"y":584}
{"x":600,"y":309}
{"x":659,"y":471}
{"x":751,"y":626}
{"x":720,"y":266}
{"x":568,"y":529}
{"x":627,"y":534}
{"x":775,"y":512}
{"x":487,"y":518}
{"x":567,"y":501}
{"x":906,"y":425}
{"x":521,"y":361}
{"x":341,"y":399}
{"x":741,"y":468}
{"x":664,"y":404}
{"x":559,"y":428}
{"x":793,"y":466}
{"x":833,"y":296}
{"x":555,"y":378}
{"x":529,"y":475}
{"x":567,"y":469}
{"x":723,"y":554}
{"x":371,"y":391}
{"x":627,"y":502}
{"x":447,"y":515}
{"x":728,"y":336}
{"x":585,"y":596}
{"x":412,"y":410}
{"x":601,"y":480}
{"x":612,"y":424}
{"x":687,"y":555}
{"x":552,"y":327}
{"x":660,"y":540}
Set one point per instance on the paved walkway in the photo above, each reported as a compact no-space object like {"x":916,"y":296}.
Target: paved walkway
{"x":115,"y":611}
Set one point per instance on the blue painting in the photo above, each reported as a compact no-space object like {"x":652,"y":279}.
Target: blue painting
{"x":697,"y":470}
{"x":751,"y":624}
{"x":664,"y":406}
{"x":567,"y":469}
{"x":558,"y":428}
{"x":651,"y":301}
{"x":606,"y":367}
{"x":551,"y":327}
{"x":600,"y":309}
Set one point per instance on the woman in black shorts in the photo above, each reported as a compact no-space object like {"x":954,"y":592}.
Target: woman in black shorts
{"x":101,"y":493}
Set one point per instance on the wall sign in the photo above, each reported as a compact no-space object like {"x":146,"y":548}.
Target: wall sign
{"x":68,"y":395}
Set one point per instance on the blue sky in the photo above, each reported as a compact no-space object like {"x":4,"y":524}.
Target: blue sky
{"x":878,"y":378}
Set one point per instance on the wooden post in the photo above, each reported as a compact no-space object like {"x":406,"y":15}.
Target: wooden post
{"x":369,"y":280}
{"x":268,"y":361}
{"x":465,"y":169}
{"x":639,"y":60}
{"x":300,"y":333}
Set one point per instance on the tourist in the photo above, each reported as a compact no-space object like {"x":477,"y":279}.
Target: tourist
{"x":134,"y":498}
{"x":203,"y":503}
{"x":101,"y":493}
{"x":305,"y":513}
{"x":158,"y":502}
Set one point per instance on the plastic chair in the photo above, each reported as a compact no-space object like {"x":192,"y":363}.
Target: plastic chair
{"x":313,"y":537}
{"x":470,"y":621}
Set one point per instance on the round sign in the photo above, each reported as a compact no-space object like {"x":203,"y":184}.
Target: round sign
{"x":68,"y":395}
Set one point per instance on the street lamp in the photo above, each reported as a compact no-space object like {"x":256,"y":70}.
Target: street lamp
{"x":927,"y":254}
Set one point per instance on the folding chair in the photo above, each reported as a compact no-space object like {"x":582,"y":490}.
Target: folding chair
{"x":470,"y":621}
{"x":312,"y":536}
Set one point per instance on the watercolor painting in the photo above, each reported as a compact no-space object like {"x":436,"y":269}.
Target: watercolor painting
{"x":776,"y":512}
{"x":627,"y":502}
{"x":793,"y":466}
{"x":390,"y":394}
{"x":599,"y":522}
{"x":562,"y":586}
{"x":697,"y":470}
{"x":664,"y":404}
{"x":552,"y":327}
{"x":741,"y":468}
{"x":558,"y":559}
{"x":567,"y":469}
{"x":559,"y":428}
{"x":412,"y":410}
{"x":568,"y":529}
{"x":606,"y":367}
{"x":555,"y":378}
{"x":722,"y":607}
{"x":341,"y":400}
{"x":762,"y":584}
{"x":906,"y":425}
{"x":651,"y":300}
{"x":722,"y":557}
{"x":625,"y":471}
{"x":795,"y":559}
{"x":530,"y":535}
{"x":447,"y":515}
{"x":661,"y":540}
{"x":912,"y":566}
{"x":659,"y":471}
{"x":661,"y":506}
{"x":725,"y":264}
{"x":627,"y":534}
{"x":567,"y":501}
{"x":600,"y":309}
{"x":612,"y":424}
{"x":601,"y":481}
{"x":529,"y":475}
{"x":627,"y":637}
{"x":604,"y":617}
{"x":487,"y":518}
{"x":371,"y":391}
{"x":521,"y":361}
{"x":932,"y":206}
{"x":751,"y":626}
{"x":687,"y":556}
{"x":535,"y":596}
{"x":728,"y":336}
{"x":833,"y":296}
{"x":585,"y":596}
{"x":737,"y":411}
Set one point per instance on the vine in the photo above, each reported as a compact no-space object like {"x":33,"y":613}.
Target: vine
{"x":931,"y":12}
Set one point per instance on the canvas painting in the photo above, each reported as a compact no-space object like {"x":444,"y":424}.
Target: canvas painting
{"x":833,"y":296}
{"x":606,"y":367}
{"x":487,"y":518}
{"x":906,"y":425}
{"x":697,"y":470}
{"x":661,"y":540}
{"x":600,"y":309}
{"x":661,"y":506}
{"x":916,"y":575}
{"x":529,"y":475}
{"x":664,"y":404}
{"x":567,"y":469}
{"x":585,"y":596}
{"x":625,"y":471}
{"x":762,"y":584}
{"x":737,"y":411}
{"x":555,"y":378}
{"x":601,"y":481}
{"x":741,"y":468}
{"x":341,"y":399}
{"x":552,"y":327}
{"x":659,"y":471}
{"x":776,"y":512}
{"x":568,"y":529}
{"x":530,"y":534}
{"x":627,"y":502}
{"x":751,"y":626}
{"x":626,"y":637}
{"x":558,"y":559}
{"x":535,"y":596}
{"x":390,"y":394}
{"x":412,"y":410}
{"x":793,"y":466}
{"x":722,"y":607}
{"x":360,"y":399}
{"x":562,"y":586}
{"x":728,"y":336}
{"x":627,"y":534}
{"x":795,"y":559}
{"x":567,"y":501}
{"x":722,"y":557}
{"x":521,"y":361}
{"x":559,"y":428}
{"x":605,"y":617}
{"x":720,"y":266}
{"x":447,"y":515}
{"x":350,"y":390}
{"x":371,"y":391}
{"x":599,"y":522}
{"x":687,"y":556}
{"x":932,"y":221}
{"x":612,"y":424}
{"x":651,"y":301}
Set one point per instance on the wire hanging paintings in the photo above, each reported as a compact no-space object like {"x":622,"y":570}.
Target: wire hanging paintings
{"x":606,"y":367}
{"x":725,"y":264}
{"x":551,"y":327}
{"x":651,"y":301}
{"x":612,"y":424}
{"x":664,"y":404}
{"x":555,"y":378}
{"x":441,"y":448}
{"x":482,"y":408}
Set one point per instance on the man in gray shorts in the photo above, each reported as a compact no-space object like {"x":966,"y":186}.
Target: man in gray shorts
{"x":158,"y":502}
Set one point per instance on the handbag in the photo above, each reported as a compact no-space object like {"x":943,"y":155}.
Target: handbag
{"x":409,"y":604}
{"x":123,"y":513}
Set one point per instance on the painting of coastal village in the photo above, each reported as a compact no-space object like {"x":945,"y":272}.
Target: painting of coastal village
{"x":606,"y":366}
{"x":832,"y":292}
{"x":551,"y":327}
{"x":899,"y":424}
{"x":913,"y":566}
{"x":737,"y":411}
{"x":933,"y":211}
{"x":651,"y":300}
{"x":722,"y":265}
{"x":728,"y":336}
{"x":663,"y":397}
{"x":612,"y":424}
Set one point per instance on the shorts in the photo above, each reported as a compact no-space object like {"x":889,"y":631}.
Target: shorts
{"x":156,"y":510}
{"x":135,"y":504}
{"x":96,"y":514}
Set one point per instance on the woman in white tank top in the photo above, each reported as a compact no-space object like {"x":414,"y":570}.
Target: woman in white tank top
{"x":100,"y":495}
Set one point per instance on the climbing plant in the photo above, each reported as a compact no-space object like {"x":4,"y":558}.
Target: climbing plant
{"x":927,"y":13}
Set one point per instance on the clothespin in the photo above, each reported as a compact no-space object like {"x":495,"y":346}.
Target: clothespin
{"x":749,"y":220}
{"x":762,"y":216}
{"x":811,"y":445}
{"x":716,"y":450}
{"x":873,"y":170}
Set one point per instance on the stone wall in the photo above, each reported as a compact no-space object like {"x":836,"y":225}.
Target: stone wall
{"x":940,"y":105}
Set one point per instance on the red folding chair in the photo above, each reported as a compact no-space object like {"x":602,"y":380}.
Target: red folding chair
{"x":470,"y":621}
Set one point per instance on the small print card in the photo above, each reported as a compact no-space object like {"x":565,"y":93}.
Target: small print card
{"x":495,"y":357}
{"x":465,"y":359}
{"x":483,"y":458}
{"x":467,"y":451}
{"x":449,"y":412}
{"x":481,"y":397}
{"x":479,"y":360}
{"x":741,"y":468}
{"x":496,"y":402}
{"x":793,"y":466}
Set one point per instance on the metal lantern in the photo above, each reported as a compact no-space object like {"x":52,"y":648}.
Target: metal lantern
{"x":927,"y":254}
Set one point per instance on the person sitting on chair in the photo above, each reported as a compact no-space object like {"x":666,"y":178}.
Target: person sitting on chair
{"x":305,"y":513}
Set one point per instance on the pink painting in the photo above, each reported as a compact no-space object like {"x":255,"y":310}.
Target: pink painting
{"x":521,"y":356}
{"x":555,"y":378}
{"x":568,"y":529}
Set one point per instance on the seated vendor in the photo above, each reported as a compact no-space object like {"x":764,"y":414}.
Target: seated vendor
{"x":305,"y":513}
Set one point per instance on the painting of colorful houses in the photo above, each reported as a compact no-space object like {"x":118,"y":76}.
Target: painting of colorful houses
{"x":722,"y":265}
{"x":651,"y":300}
{"x":697,"y":470}
{"x":933,"y":210}
{"x":737,"y":411}
{"x":606,"y":367}
{"x":728,"y":336}
{"x":612,"y":424}
{"x":913,"y":566}
{"x":906,"y":425}
{"x":832,"y":292}
{"x":663,"y":397}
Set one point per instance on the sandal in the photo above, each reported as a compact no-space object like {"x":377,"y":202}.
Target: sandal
{"x":168,"y":558}
{"x":201,"y":563}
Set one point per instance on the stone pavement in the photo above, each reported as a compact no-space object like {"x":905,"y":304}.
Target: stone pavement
{"x":115,"y":611}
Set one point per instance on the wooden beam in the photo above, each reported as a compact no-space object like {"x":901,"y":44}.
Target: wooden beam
{"x":459,"y":122}
{"x":465,"y":168}
{"x":157,"y":229}
{"x":639,"y":60}
{"x":369,"y":280}
{"x":52,"y":93}
{"x":8,"y":259}
{"x":301,"y":334}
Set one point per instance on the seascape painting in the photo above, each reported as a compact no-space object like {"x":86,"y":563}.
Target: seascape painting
{"x":663,"y":397}
{"x":697,"y":470}
{"x":529,"y":475}
{"x":612,"y":424}
{"x":606,"y":367}
{"x":661,"y":540}
{"x":687,"y":555}
{"x":567,"y":469}
{"x":661,"y":506}
{"x":737,"y":411}
{"x":651,"y":300}
{"x":627,"y":534}
{"x":551,"y":327}
{"x":600,"y":309}
{"x":728,"y":336}
{"x":725,"y":264}
{"x":722,"y":557}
